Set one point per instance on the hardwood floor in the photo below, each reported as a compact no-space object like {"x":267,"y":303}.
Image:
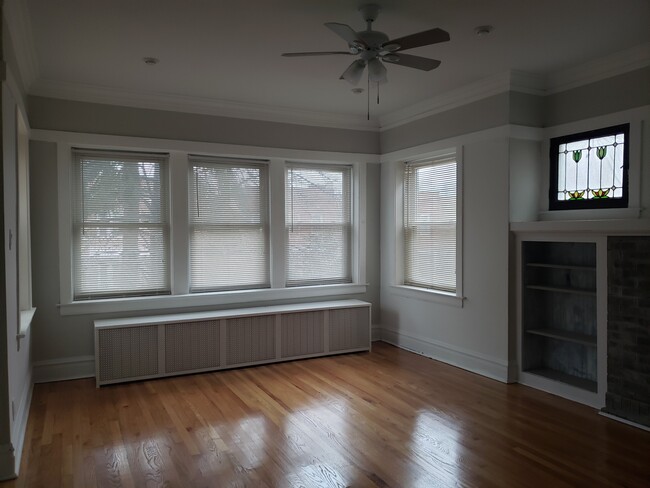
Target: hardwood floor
{"x":389,"y":418}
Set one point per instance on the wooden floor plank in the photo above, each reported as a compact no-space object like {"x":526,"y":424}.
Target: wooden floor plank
{"x":383,"y":419}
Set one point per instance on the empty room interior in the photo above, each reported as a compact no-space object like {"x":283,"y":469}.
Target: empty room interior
{"x":325,"y":243}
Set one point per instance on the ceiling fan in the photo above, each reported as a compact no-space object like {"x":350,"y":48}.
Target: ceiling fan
{"x":373,"y":47}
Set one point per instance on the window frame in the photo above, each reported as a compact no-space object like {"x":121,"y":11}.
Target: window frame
{"x":350,"y":227}
{"x":205,"y":162}
{"x":407,"y":227}
{"x":606,"y":203}
{"x":428,"y":294}
{"x":179,"y":152}
{"x":128,"y":158}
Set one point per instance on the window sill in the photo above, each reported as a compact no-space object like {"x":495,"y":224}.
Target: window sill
{"x":26,"y":317}
{"x":137,"y":304}
{"x":428,"y":295}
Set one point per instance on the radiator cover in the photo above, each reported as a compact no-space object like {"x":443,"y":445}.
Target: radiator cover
{"x":130,"y":349}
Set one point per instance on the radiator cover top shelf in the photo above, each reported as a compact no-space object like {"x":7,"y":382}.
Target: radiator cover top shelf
{"x":129,"y":349}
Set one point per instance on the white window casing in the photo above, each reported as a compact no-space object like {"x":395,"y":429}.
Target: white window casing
{"x":318,"y":207}
{"x":120,"y":209}
{"x":181,"y":293}
{"x":229,"y":225}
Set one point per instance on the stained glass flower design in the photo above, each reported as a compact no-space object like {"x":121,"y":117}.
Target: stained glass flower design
{"x":591,"y":168}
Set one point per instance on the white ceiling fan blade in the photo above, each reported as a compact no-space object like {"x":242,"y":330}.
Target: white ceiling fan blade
{"x":426,"y":38}
{"x":347,"y":33}
{"x":377,"y":71}
{"x":354,"y":72}
{"x":410,"y":61}
{"x":316,"y":53}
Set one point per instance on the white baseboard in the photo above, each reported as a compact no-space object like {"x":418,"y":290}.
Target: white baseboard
{"x":64,"y":369}
{"x":468,"y":360}
{"x":7,"y":462}
{"x":20,"y":422}
{"x":624,"y":421}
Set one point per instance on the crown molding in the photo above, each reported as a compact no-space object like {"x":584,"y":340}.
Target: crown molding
{"x":199,"y":105}
{"x":22,"y":39}
{"x":614,"y":64}
{"x":487,"y":87}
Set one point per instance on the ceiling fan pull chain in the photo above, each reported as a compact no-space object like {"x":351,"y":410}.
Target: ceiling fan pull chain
{"x":377,"y":93}
{"x":368,"y":95}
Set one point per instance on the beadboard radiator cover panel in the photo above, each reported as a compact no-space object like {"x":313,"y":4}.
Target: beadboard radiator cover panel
{"x":131,"y":349}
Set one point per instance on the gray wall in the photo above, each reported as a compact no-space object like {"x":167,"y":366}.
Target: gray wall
{"x":97,"y":118}
{"x":484,"y":114}
{"x":603,"y":97}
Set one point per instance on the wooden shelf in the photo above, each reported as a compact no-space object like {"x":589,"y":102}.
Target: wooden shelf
{"x":561,"y":266}
{"x":568,"y":379}
{"x":561,"y":289}
{"x":563,"y":335}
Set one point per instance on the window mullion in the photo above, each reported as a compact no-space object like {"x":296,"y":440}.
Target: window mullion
{"x":179,"y":223}
{"x":277,"y":223}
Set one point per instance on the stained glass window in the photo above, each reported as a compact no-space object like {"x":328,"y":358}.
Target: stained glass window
{"x":589,"y":169}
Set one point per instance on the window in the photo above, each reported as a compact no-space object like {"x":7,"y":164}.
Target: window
{"x":590,"y":169}
{"x":319,"y":224}
{"x":229,"y":225}
{"x":430,"y":223}
{"x":120,"y":225}
{"x":153,"y":231}
{"x":24,"y":244}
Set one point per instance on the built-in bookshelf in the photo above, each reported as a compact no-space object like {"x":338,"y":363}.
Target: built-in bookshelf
{"x":559,"y":312}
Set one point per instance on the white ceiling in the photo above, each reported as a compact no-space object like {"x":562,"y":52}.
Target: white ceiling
{"x":230,"y":50}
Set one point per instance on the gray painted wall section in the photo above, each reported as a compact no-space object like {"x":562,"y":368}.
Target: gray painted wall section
{"x":97,"y":118}
{"x":473,"y":117}
{"x":614,"y":94}
{"x":526,"y":109}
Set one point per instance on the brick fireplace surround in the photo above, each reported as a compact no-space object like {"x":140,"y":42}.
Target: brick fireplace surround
{"x":628,"y":328}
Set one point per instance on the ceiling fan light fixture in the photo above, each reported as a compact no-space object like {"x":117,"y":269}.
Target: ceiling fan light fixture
{"x":391,"y":48}
{"x":376,"y":71}
{"x":483,"y":30}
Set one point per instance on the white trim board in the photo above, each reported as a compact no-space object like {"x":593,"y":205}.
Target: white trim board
{"x":505,"y":131}
{"x":198,"y":105}
{"x":20,"y":422}
{"x":624,"y":421}
{"x":484,"y":365}
{"x":103,"y":141}
{"x":71,"y":368}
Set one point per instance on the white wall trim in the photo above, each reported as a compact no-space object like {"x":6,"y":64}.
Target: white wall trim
{"x":22,"y":38}
{"x":20,"y":421}
{"x":103,"y":141}
{"x":624,"y":421}
{"x":446,"y":101}
{"x":609,"y":66}
{"x":482,"y":364}
{"x":199,"y":105}
{"x":71,"y":368}
{"x":504,"y":131}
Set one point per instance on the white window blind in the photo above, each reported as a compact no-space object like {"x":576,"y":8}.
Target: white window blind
{"x":319,"y":224}
{"x":120,"y":224}
{"x":229,"y":225}
{"x":430,"y":223}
